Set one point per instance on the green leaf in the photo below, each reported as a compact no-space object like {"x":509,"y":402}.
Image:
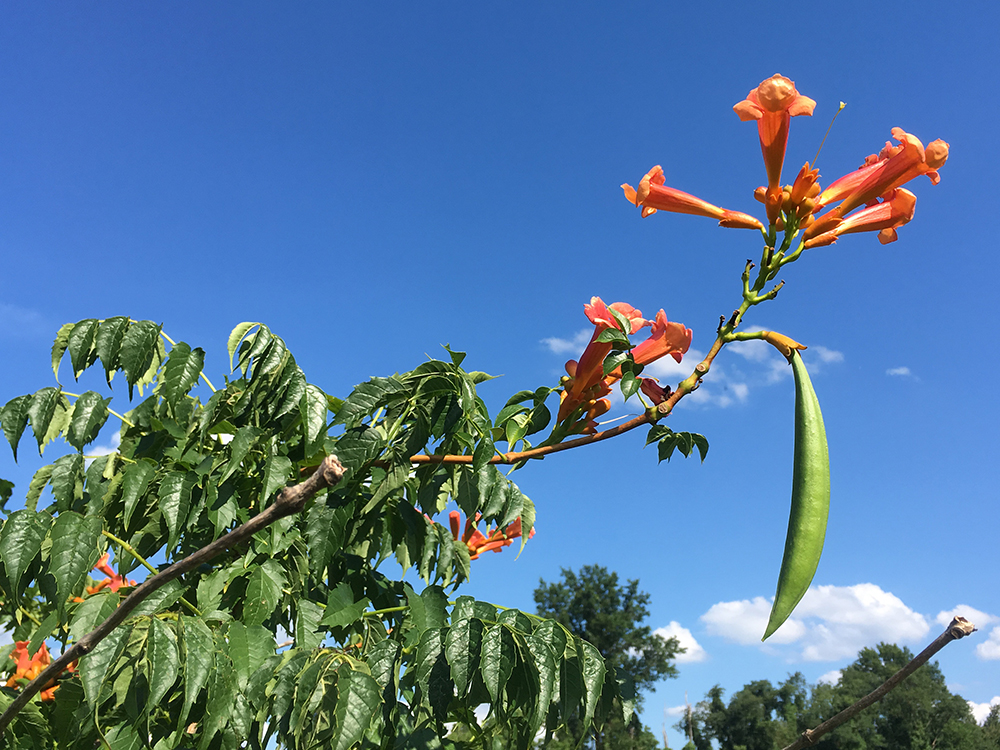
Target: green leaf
{"x":242,"y":442}
{"x":67,"y":480}
{"x":612,"y":336}
{"x":357,"y":701}
{"x":435,"y":607}
{"x":341,"y":609}
{"x":433,"y":676}
{"x":220,"y":701}
{"x":123,"y":737}
{"x":313,"y":411}
{"x":94,"y":666}
{"x":6,"y":490}
{"x":91,"y":612}
{"x":181,"y":372}
{"x":571,"y":685}
{"x":463,"y":649}
{"x":199,"y":658}
{"x":163,"y":658}
{"x":175,"y":502}
{"x":383,"y":661}
{"x":307,"y":617}
{"x":613,"y":361}
{"x":263,"y":592}
{"x":45,"y":629}
{"x":36,"y":485}
{"x":161,"y":599}
{"x":277,"y":471}
{"x":137,"y":351}
{"x":89,"y":415}
{"x":134,"y":485}
{"x":15,"y":418}
{"x":42,"y":412}
{"x":81,"y":346}
{"x":235,"y":338}
{"x":109,"y":344}
{"x":544,"y":660}
{"x":593,"y":678}
{"x":497,"y":660}
{"x":20,"y":541}
{"x":59,"y":347}
{"x":74,"y":551}
{"x":630,"y":385}
{"x":483,"y":453}
{"x":365,"y":398}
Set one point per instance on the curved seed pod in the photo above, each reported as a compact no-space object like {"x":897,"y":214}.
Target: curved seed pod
{"x":810,"y":500}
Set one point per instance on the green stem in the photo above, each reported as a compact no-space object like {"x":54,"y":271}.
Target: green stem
{"x":131,"y":550}
{"x":110,"y":411}
{"x":30,"y":616}
{"x":387,"y":610}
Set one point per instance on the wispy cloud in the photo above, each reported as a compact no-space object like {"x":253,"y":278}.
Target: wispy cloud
{"x":569,"y":346}
{"x":830,"y":623}
{"x":900,"y":372}
{"x":693,"y":651}
{"x":973,"y":615}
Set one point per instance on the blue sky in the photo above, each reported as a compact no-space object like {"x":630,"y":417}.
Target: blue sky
{"x":373,"y":181}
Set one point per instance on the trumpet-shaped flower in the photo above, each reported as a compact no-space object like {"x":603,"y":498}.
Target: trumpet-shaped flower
{"x":666,"y":337}
{"x":587,"y":373}
{"x":653,"y":196}
{"x":883,"y":217}
{"x":773,"y":104}
{"x":28,"y":668}
{"x":114,"y":581}
{"x":494,"y":540}
{"x":893,"y":167}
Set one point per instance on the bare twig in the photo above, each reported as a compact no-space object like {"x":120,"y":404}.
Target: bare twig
{"x":959,"y":628}
{"x":289,"y":501}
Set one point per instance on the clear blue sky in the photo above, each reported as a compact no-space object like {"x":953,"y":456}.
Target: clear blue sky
{"x":375,"y":180}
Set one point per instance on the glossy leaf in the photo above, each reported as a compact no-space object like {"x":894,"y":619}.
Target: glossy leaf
{"x":138,"y":348}
{"x":81,"y":345}
{"x":263,"y":592}
{"x":163,"y":659}
{"x":313,"y":411}
{"x":134,"y":485}
{"x":199,"y":658}
{"x":95,"y":665}
{"x":20,"y":541}
{"x":74,"y":551}
{"x":89,"y":415}
{"x":463,"y":649}
{"x":15,"y":418}
{"x":358,"y":699}
{"x":497,"y":661}
{"x":108,"y":344}
{"x":175,"y":501}
{"x":181,"y":372}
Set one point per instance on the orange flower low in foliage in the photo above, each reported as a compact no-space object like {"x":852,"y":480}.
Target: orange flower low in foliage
{"x":28,"y":668}
{"x":476,"y":541}
{"x":114,"y":581}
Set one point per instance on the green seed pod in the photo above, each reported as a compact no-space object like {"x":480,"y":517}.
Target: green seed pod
{"x":810,"y":500}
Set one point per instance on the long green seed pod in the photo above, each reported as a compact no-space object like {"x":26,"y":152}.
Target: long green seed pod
{"x":810,"y":500}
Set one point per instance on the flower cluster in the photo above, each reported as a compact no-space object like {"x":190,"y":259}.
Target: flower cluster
{"x":114,"y":581}
{"x":28,"y":668}
{"x":876,"y":185}
{"x":477,"y":542}
{"x":586,"y":385}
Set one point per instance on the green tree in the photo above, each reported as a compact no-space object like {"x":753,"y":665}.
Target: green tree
{"x":991,"y":729}
{"x":595,"y":606}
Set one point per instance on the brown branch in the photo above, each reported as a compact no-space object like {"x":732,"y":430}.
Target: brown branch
{"x":959,"y":628}
{"x":289,"y":501}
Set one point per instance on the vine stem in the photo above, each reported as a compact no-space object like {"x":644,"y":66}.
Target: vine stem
{"x":128,"y":548}
{"x":289,"y":501}
{"x":958,"y":628}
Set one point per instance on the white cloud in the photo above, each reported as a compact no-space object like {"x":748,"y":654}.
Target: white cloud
{"x":830,"y":678}
{"x":982,"y":710}
{"x":975,"y":616}
{"x":674,"y":711}
{"x":830,"y":623}
{"x":827,"y":356}
{"x":693,"y":650}
{"x":902,"y":372}
{"x":574,"y":345}
{"x":991,"y":649}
